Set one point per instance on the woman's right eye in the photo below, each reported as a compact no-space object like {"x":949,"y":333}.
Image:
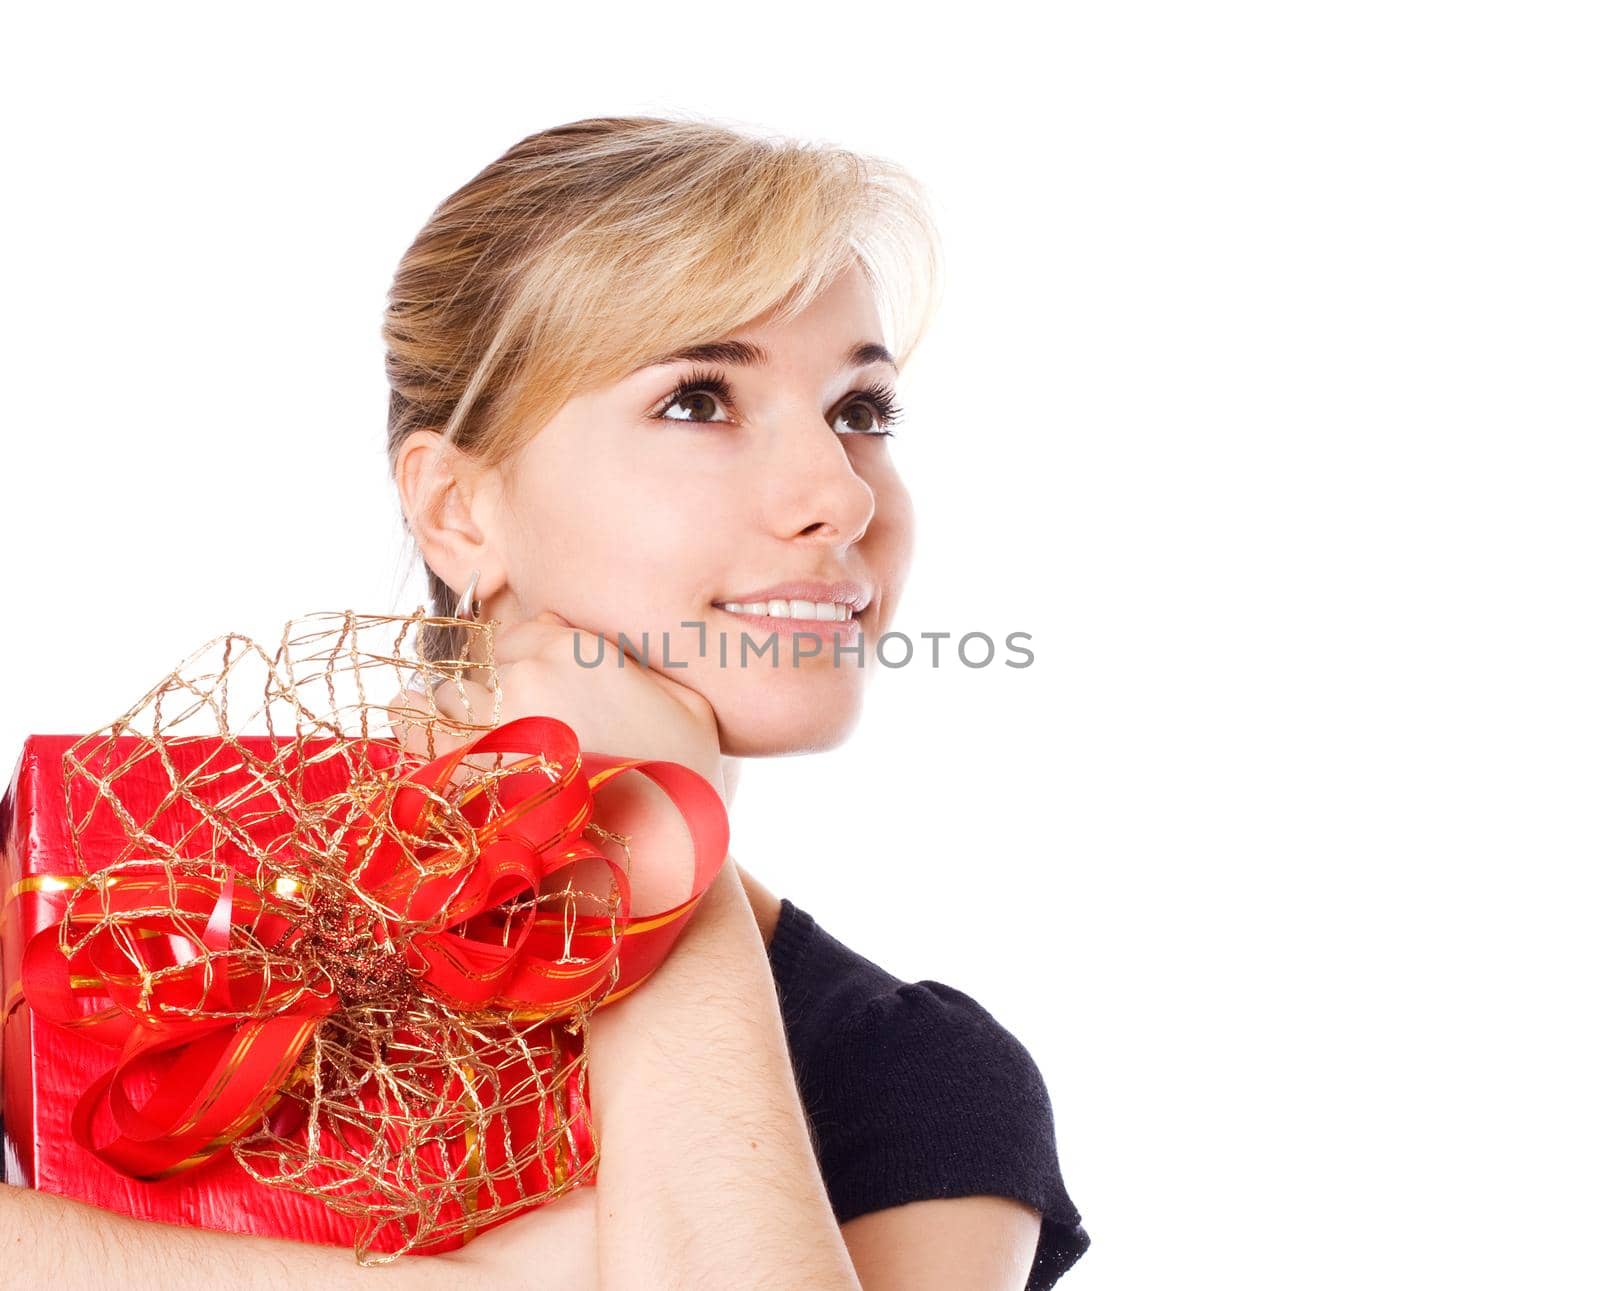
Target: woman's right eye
{"x":697,"y":402}
{"x":701,"y":396}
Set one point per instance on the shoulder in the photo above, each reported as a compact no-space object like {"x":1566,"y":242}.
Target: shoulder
{"x":915,"y":1090}
{"x":921,"y":1059}
{"x":819,"y":980}
{"x":856,"y":1014}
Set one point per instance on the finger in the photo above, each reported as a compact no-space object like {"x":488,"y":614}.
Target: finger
{"x":434,"y":719}
{"x":424,"y":730}
{"x":534,"y":638}
{"x":531,"y":637}
{"x":465,"y":703}
{"x":692,"y":700}
{"x":408,"y":714}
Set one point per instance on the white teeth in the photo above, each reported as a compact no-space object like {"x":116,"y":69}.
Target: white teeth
{"x":819,"y":611}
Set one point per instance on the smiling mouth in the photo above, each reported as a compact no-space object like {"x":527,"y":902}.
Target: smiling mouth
{"x":800,"y":611}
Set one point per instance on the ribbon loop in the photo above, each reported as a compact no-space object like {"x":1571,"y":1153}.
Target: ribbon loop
{"x":340,"y":961}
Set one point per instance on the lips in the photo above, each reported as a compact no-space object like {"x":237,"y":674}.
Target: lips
{"x":786,"y":625}
{"x":816,"y":591}
{"x":813,"y":611}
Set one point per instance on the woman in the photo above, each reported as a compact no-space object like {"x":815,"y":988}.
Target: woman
{"x":640,"y":387}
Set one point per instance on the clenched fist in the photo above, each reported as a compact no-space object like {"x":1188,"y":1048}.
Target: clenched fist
{"x":626,"y":710}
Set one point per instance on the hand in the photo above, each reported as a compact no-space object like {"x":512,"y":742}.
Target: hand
{"x":630,"y":710}
{"x":627,"y":710}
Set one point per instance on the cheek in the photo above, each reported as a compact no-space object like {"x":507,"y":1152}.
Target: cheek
{"x":665,"y":525}
{"x":890,"y":536}
{"x":904,"y":515}
{"x":623,"y":551}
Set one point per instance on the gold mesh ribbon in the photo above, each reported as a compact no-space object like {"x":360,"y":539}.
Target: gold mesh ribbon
{"x":261,"y":780}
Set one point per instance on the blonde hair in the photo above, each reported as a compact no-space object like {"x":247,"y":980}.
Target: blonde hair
{"x":592,"y":248}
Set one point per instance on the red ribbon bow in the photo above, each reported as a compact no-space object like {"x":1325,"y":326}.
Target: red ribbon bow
{"x":215,"y":982}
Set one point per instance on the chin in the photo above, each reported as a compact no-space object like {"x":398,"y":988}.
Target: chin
{"x":774,"y":731}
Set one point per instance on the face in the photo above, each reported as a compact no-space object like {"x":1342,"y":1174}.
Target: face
{"x":640,"y":510}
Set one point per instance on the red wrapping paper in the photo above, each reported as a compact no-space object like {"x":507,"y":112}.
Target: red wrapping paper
{"x":45,"y":1068}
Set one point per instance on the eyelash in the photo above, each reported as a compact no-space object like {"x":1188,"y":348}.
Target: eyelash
{"x":877,"y":396}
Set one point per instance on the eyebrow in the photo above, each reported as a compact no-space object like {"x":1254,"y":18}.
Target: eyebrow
{"x":744,"y":354}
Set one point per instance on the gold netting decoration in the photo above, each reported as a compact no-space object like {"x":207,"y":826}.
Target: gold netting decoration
{"x":248,"y":768}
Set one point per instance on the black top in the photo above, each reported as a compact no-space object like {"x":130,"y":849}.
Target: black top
{"x":914,"y":1091}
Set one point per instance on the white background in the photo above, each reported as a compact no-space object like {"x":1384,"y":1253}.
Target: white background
{"x":1263,"y":396}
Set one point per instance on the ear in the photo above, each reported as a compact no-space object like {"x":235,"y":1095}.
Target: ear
{"x":450,"y":505}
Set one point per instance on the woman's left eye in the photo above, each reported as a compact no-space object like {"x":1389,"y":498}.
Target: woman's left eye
{"x":877,"y":405}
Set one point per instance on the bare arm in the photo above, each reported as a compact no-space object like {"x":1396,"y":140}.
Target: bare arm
{"x":978,"y":1241}
{"x":48,"y":1240}
{"x":707,"y":1177}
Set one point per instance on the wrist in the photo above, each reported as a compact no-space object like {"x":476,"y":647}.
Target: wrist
{"x":707,"y":971}
{"x":724,"y":921}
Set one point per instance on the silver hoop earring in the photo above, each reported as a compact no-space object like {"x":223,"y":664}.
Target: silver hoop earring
{"x":468,"y":608}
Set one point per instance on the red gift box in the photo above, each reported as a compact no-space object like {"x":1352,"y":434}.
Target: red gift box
{"x":46,"y":1068}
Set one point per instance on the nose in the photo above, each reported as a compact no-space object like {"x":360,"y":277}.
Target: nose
{"x":815,"y":491}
